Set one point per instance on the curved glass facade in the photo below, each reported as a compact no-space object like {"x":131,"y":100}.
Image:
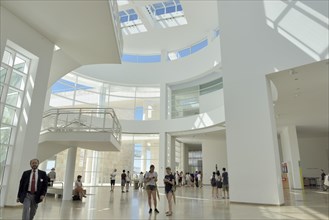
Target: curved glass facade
{"x":129,"y":102}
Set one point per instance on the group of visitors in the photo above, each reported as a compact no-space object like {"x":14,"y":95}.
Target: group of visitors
{"x":34,"y":183}
{"x":219,"y":184}
{"x":193,"y":179}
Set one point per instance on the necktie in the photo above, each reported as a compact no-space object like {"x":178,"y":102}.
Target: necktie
{"x":33,"y":182}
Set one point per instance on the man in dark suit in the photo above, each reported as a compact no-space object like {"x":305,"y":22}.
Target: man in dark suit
{"x":32,"y":189}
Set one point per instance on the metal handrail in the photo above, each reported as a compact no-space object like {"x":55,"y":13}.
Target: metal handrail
{"x":81,"y":119}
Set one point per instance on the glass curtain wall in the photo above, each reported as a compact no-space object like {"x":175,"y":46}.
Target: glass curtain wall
{"x":129,"y":102}
{"x":138,"y":152}
{"x":186,"y":101}
{"x":195,"y":160}
{"x":14,"y":73}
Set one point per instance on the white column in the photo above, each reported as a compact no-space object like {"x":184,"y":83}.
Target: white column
{"x":290,"y":151}
{"x":251,"y":135}
{"x":172,"y":148}
{"x":94,"y":167}
{"x":69,"y":173}
{"x":165,"y":109}
{"x":162,"y":157}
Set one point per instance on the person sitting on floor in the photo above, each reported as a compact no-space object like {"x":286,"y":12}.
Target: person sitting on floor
{"x":78,"y":190}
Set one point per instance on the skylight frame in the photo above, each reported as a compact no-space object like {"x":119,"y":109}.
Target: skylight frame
{"x":168,"y":14}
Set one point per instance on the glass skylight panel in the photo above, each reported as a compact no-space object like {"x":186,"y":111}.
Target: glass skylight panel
{"x":141,"y":58}
{"x":199,"y":46}
{"x":128,"y":15}
{"x":129,"y":58}
{"x":149,"y":59}
{"x":169,"y":13}
{"x":174,"y":55}
{"x":185,"y":52}
{"x":130,"y":22}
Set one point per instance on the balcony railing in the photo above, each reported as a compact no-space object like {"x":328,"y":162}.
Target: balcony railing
{"x":81,"y":120}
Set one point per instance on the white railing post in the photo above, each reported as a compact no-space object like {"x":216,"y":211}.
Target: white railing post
{"x":56,"y":119}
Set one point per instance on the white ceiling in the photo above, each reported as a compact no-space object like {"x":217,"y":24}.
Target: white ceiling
{"x":303,"y":98}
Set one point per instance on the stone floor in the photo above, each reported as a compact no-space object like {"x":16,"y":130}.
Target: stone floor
{"x":191,"y":203}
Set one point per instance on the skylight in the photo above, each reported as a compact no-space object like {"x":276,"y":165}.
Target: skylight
{"x":175,"y":55}
{"x":130,"y":22}
{"x":168,"y":14}
{"x":141,"y":58}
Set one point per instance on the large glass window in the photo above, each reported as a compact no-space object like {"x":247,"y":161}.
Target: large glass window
{"x":129,"y":102}
{"x":186,"y":101}
{"x":14,"y":71}
{"x":195,"y":161}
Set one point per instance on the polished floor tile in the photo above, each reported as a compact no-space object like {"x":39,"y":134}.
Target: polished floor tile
{"x":191,"y":203}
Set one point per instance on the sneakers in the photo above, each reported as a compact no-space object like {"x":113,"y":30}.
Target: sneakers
{"x":156,"y":210}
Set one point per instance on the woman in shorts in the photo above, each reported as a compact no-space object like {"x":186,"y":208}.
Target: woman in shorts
{"x":169,"y":182}
{"x":151,"y":178}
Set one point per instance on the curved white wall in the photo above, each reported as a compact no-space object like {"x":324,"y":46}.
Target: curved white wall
{"x":204,"y":120}
{"x":179,"y":70}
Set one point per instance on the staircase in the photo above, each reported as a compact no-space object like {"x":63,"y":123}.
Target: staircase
{"x":90,"y":128}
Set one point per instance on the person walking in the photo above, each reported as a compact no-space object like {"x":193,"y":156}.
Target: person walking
{"x":199,"y":177}
{"x":51,"y":177}
{"x":128,"y":179}
{"x":323,"y":176}
{"x":141,"y":180}
{"x":32,"y":189}
{"x":225,"y":184}
{"x":123,"y":180}
{"x":213,"y":185}
{"x":169,"y":182}
{"x":151,"y":178}
{"x":112,"y":177}
{"x":219,"y":184}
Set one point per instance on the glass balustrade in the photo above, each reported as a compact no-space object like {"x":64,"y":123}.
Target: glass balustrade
{"x":81,"y":120}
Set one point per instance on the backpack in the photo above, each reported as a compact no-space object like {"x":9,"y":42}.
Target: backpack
{"x":219,"y":184}
{"x":213,"y":181}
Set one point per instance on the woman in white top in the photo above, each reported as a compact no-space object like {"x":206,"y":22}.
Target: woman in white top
{"x":78,"y":190}
{"x":141,"y":180}
{"x":150,"y":180}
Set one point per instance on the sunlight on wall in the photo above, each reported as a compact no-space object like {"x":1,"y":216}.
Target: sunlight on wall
{"x":301,"y":25}
{"x":203,"y":120}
